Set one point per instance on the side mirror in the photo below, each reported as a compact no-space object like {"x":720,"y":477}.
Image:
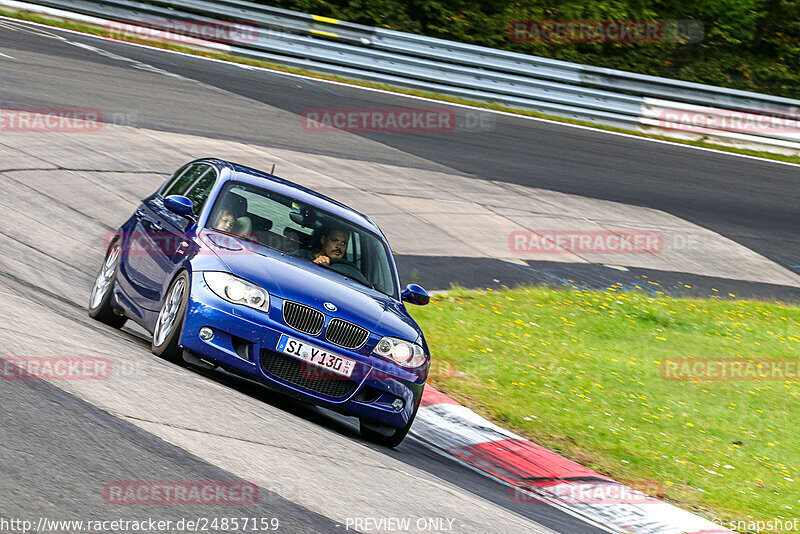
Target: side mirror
{"x":180,"y":205}
{"x":414,"y":294}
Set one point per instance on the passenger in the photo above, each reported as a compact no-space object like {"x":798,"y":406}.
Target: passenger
{"x":226,"y":221}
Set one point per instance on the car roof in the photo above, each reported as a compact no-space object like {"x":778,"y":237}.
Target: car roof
{"x":249,"y":175}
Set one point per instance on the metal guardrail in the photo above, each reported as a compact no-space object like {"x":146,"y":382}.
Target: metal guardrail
{"x":494,"y":59}
{"x":593,"y":94}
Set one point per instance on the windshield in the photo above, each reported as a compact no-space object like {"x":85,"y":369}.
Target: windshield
{"x":285,"y":224}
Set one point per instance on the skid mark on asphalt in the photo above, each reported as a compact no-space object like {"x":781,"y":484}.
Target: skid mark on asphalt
{"x":37,"y":290}
{"x":71,"y":169}
{"x":39,"y":250}
{"x":313,"y":454}
{"x":60,"y":202}
{"x":29,"y":154}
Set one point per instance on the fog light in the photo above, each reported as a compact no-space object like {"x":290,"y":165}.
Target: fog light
{"x":206,"y":333}
{"x":398,"y":404}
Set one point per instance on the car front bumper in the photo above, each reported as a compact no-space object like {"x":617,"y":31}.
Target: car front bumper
{"x":245,"y":342}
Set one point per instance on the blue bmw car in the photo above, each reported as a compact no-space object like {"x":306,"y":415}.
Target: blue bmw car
{"x":227,"y":266}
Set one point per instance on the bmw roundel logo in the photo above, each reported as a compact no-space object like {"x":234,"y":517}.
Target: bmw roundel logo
{"x":330,"y":307}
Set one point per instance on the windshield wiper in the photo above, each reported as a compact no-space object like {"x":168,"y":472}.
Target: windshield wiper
{"x":362,"y":282}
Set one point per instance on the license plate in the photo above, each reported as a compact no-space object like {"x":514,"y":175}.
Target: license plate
{"x":316,"y":356}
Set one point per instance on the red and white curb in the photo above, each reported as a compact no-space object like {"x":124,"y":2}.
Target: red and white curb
{"x":536,"y":475}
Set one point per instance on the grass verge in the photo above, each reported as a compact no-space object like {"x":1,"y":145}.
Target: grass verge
{"x":582,"y":373}
{"x":95,"y":30}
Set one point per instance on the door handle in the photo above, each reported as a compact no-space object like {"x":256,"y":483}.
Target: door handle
{"x":155,"y":225}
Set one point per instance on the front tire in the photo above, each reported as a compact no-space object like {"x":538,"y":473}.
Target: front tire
{"x":387,"y":440}
{"x":168,"y":328}
{"x":100,"y":307}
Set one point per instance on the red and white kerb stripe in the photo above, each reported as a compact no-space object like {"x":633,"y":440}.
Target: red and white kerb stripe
{"x":538,"y":475}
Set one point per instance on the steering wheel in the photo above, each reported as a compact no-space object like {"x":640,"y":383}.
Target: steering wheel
{"x":348,"y":269}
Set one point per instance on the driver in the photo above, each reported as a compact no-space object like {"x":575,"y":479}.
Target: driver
{"x":334,"y":246}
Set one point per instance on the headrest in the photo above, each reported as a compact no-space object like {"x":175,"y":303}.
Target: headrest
{"x":236,"y":203}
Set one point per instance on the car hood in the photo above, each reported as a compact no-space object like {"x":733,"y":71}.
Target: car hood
{"x":291,"y":278}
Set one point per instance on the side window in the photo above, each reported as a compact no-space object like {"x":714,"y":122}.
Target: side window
{"x":181,"y":185}
{"x":353,"y":254}
{"x":198,"y":193}
{"x":175,"y":175}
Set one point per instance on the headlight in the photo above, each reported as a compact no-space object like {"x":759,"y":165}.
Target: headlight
{"x":237,"y":290}
{"x":401,"y":352}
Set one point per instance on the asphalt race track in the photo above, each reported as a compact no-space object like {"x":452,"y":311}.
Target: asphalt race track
{"x":753,"y":202}
{"x":62,"y":443}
